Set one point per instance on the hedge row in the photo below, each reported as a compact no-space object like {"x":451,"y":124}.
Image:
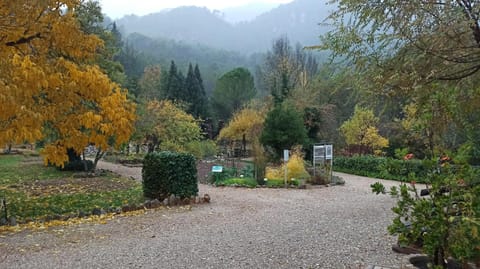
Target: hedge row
{"x":166,"y":173}
{"x":386,"y":168}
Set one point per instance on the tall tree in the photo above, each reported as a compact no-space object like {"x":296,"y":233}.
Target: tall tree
{"x":283,"y":129}
{"x":89,"y":14}
{"x":232,"y":91}
{"x":174,"y":86}
{"x":195,"y":93}
{"x":150,"y":84}
{"x":133,"y":61}
{"x":431,"y":40}
{"x":286,"y":68}
{"x":47,"y":58}
{"x":167,"y":126}
{"x":202,"y":99}
{"x":361,"y":132}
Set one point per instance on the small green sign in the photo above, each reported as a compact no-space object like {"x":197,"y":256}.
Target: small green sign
{"x":217,"y":169}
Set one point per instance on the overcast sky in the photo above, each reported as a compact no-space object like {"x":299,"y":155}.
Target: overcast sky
{"x":118,"y":8}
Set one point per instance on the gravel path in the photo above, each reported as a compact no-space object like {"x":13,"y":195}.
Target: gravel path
{"x":334,"y":227}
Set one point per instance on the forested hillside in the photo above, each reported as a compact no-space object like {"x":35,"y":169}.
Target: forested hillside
{"x":298,"y":20}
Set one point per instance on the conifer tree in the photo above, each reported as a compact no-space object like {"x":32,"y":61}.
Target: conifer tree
{"x":195,"y":93}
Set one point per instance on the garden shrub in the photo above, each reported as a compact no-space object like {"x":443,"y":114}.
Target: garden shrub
{"x":278,"y":183}
{"x":381,"y":167}
{"x":202,"y":149}
{"x":165,"y":173}
{"x":227,"y":172}
{"x":447,"y":223}
{"x":295,"y":168}
{"x":247,"y":171}
{"x":237,"y":181}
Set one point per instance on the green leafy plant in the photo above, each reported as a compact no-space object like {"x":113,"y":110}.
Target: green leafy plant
{"x":280,"y":183}
{"x":202,"y":149}
{"x":227,"y":172}
{"x":447,"y":221}
{"x":381,"y":167}
{"x":240,"y":181}
{"x":165,"y":173}
{"x":247,"y":171}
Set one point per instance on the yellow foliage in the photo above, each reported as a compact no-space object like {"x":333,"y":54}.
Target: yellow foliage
{"x":49,"y":88}
{"x":295,"y":168}
{"x":171,"y":126}
{"x":248,"y":122}
{"x":361,"y":129}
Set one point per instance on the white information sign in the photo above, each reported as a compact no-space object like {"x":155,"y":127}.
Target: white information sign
{"x":285,"y":155}
{"x":323,"y":152}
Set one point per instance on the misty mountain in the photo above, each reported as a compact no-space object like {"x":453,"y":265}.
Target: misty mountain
{"x":246,"y":13}
{"x":298,"y":20}
{"x":190,"y":24}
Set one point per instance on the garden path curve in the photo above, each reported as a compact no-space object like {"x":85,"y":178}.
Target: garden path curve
{"x":322,"y":227}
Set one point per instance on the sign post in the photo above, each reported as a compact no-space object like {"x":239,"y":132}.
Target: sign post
{"x":323,"y":155}
{"x":217,"y":170}
{"x":285,"y":160}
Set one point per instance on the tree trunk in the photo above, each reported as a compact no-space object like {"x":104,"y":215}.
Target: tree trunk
{"x":151,"y":147}
{"x":98,"y":156}
{"x":439,"y":258}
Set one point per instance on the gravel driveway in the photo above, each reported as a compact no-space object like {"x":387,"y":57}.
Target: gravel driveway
{"x":334,"y":227}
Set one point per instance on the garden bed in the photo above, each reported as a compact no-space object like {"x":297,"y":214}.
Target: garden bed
{"x":33,"y":192}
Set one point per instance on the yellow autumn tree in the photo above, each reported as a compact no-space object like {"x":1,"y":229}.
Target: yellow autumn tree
{"x":248,"y":122}
{"x":49,"y":88}
{"x":167,"y":126}
{"x":361,"y":132}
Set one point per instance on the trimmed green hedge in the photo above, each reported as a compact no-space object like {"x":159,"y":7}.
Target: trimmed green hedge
{"x":165,"y":173}
{"x":386,"y":168}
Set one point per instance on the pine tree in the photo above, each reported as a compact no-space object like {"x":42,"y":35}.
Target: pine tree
{"x":191,"y":86}
{"x":195,"y":93}
{"x":174,"y":84}
{"x":201,"y":100}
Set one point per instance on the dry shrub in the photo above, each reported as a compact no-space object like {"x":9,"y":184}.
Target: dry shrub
{"x":295,"y":166}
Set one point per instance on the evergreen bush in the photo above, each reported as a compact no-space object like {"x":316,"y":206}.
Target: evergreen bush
{"x":381,"y":167}
{"x":165,"y":173}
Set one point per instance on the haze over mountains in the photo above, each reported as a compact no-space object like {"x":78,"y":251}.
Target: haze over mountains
{"x":246,"y":13}
{"x":298,"y":20}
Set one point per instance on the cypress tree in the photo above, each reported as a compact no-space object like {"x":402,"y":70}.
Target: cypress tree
{"x":201,"y":100}
{"x":174,"y":86}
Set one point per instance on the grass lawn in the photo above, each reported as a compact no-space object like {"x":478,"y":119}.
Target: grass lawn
{"x":34,"y":192}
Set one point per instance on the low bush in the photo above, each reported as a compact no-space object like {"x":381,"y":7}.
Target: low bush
{"x":239,"y":181}
{"x":165,"y":173}
{"x":295,"y":168}
{"x":202,"y":149}
{"x":381,"y":167}
{"x":247,"y":171}
{"x":227,"y":172}
{"x":359,"y":165}
{"x":279,"y":183}
{"x":445,"y":224}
